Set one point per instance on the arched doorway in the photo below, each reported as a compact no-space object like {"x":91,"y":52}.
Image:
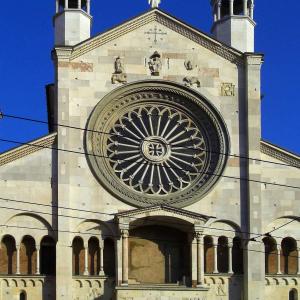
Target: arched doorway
{"x":293,"y":294}
{"x":208,"y":255}
{"x":23,"y":296}
{"x":78,"y":256}
{"x":109,"y":257}
{"x":271,"y":257}
{"x":289,"y":256}
{"x":28,"y":256}
{"x":158,"y":255}
{"x":48,"y":256}
{"x":223,"y":254}
{"x":8,"y":255}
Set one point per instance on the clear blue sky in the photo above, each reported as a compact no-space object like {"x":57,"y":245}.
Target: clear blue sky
{"x":26,"y":66}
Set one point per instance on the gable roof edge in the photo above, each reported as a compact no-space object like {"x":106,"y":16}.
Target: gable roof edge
{"x":27,"y":149}
{"x":167,"y":20}
{"x":280,"y":154}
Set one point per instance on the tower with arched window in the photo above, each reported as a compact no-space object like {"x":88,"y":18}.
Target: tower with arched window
{"x":234,"y":23}
{"x":154,"y":182}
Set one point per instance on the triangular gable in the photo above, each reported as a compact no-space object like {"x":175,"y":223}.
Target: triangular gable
{"x":280,"y":154}
{"x":170,"y":22}
{"x":163,"y":210}
{"x":27,"y":149}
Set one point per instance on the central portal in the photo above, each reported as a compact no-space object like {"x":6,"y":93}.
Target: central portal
{"x":158,"y":255}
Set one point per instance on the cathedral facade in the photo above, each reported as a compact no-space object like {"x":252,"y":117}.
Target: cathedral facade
{"x":154,"y":182}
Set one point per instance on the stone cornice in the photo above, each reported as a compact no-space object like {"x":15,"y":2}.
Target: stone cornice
{"x":166,"y":208}
{"x":170,"y":22}
{"x":280,"y":154}
{"x":27,"y":149}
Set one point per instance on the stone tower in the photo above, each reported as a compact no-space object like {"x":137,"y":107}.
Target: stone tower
{"x":72,"y":22}
{"x":234,"y":24}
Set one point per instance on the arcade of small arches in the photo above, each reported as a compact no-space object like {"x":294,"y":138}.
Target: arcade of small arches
{"x":158,"y":247}
{"x":223,"y":8}
{"x":28,"y":257}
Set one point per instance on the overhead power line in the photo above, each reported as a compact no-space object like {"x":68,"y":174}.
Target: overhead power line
{"x":141,"y":238}
{"x":134,"y":218}
{"x":121,"y":136}
{"x":165,"y":167}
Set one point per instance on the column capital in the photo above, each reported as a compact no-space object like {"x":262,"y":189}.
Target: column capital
{"x":124,"y":233}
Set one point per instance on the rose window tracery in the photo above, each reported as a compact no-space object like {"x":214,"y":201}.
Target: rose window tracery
{"x":156,"y":150}
{"x":156,"y":142}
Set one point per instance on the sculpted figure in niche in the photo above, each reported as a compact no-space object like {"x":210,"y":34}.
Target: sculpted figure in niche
{"x":189,"y":65}
{"x":155,"y":64}
{"x":154,"y":3}
{"x":192,"y":80}
{"x":119,"y":75}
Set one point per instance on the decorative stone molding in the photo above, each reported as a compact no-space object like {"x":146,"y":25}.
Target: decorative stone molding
{"x":280,"y":154}
{"x":228,"y":89}
{"x":24,"y":150}
{"x":143,"y":162}
{"x":174,"y":24}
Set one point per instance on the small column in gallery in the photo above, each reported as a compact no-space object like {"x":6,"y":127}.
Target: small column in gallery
{"x":215,"y":245}
{"x":86,"y":259}
{"x":38,"y":260}
{"x":230,"y":246}
{"x":125,"y":235}
{"x":279,"y":259}
{"x":101,"y":247}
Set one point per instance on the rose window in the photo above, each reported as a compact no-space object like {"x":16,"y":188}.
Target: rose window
{"x":156,"y":150}
{"x":156,"y":142}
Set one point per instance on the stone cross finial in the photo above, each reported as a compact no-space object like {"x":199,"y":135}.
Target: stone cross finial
{"x":154,"y":3}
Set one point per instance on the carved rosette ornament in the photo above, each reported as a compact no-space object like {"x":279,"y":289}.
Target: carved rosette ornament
{"x":162,"y":144}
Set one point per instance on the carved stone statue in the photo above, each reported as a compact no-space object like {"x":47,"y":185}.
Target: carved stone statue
{"x":119,"y":75}
{"x":192,"y":80}
{"x":154,"y":3}
{"x":189,"y":65}
{"x":155,"y":64}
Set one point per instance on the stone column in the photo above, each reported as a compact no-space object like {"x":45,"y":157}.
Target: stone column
{"x":231,"y":7}
{"x":18,"y":260}
{"x":245,"y":10}
{"x":200,"y":259}
{"x":125,"y":235}
{"x":86,"y":260}
{"x":230,"y":246}
{"x":38,"y":260}
{"x":101,"y":271}
{"x":193,"y":247}
{"x":215,"y":245}
{"x":279,"y":259}
{"x":252,"y":10}
{"x":57,"y":6}
{"x":219,"y":10}
{"x":88,"y":6}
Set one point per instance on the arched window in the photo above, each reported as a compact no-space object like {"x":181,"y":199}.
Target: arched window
{"x":271,"y":256}
{"x":238,"y":7}
{"x":48,"y":256}
{"x":289,"y":256}
{"x":223,"y":254}
{"x":237,"y":256}
{"x":78,"y":256}
{"x":94,"y":256}
{"x":225,"y":8}
{"x":208,"y":255}
{"x":28,"y":256}
{"x":23,"y":296}
{"x":8,"y":256}
{"x":293,"y":294}
{"x":109,"y":257}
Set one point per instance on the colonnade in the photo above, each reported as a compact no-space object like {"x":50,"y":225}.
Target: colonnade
{"x":25,"y":257}
{"x":248,"y":8}
{"x":77,"y":4}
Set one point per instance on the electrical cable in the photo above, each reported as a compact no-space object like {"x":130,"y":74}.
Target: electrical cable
{"x":121,"y":136}
{"x":166,"y":167}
